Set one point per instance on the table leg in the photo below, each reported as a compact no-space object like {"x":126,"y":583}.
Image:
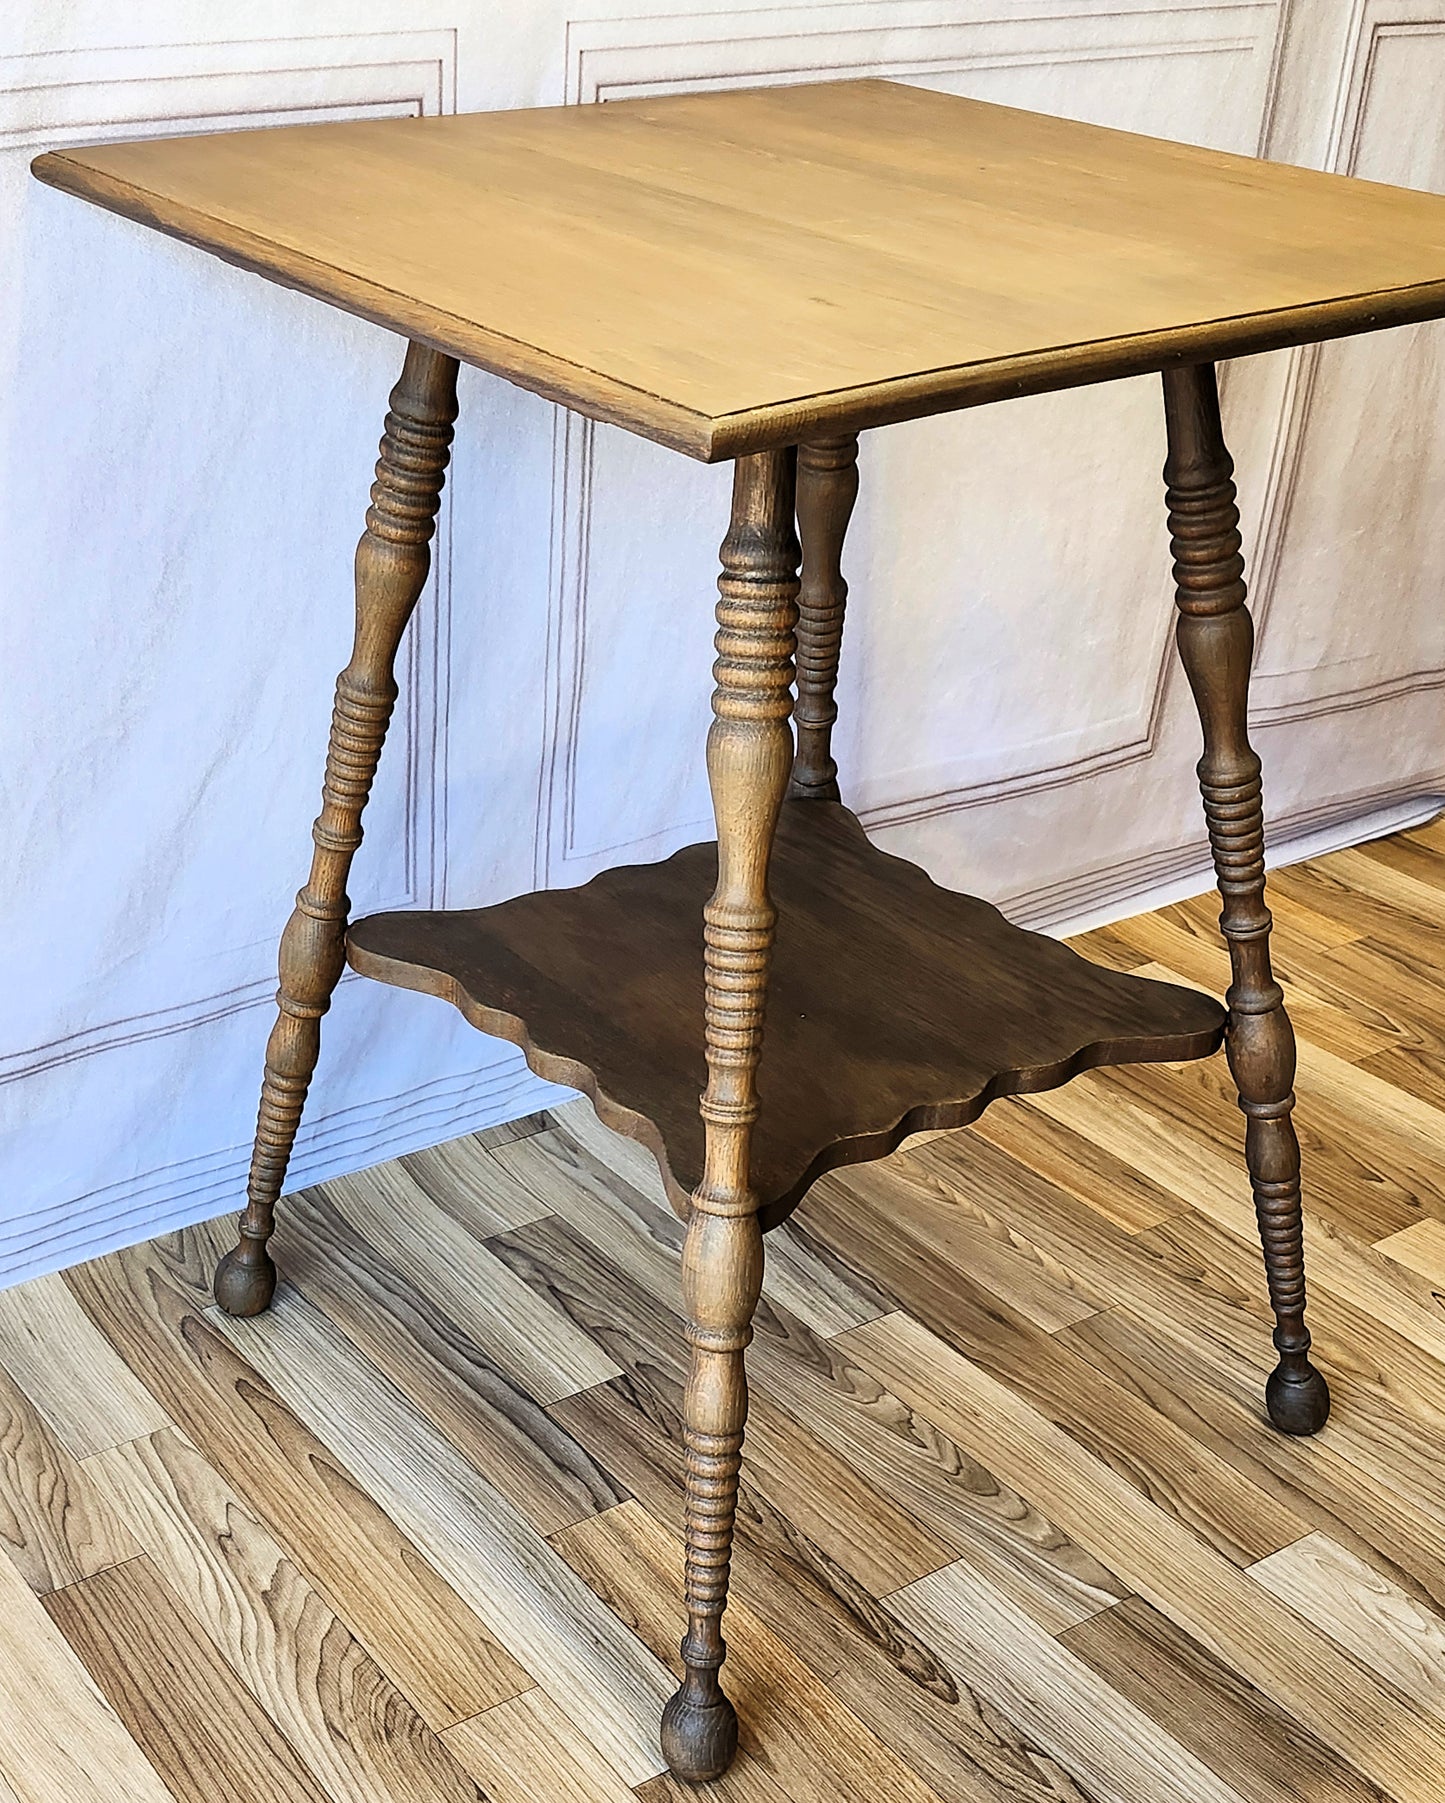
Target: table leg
{"x":749,"y":751}
{"x":827,"y":489}
{"x":1216,"y":643}
{"x":392,"y":561}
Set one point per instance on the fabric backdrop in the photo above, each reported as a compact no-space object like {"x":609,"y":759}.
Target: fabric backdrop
{"x":186,"y":458}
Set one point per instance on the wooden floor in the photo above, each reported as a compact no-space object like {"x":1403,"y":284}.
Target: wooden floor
{"x":1014,"y":1526}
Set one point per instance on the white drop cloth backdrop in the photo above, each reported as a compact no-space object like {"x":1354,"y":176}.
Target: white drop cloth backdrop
{"x":186,"y":457}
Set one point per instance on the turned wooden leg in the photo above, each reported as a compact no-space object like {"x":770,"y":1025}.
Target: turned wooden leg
{"x":392,"y":560}
{"x":827,"y":489}
{"x":749,"y":750}
{"x":1216,"y":643}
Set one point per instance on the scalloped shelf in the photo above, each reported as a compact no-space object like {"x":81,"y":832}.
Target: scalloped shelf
{"x":894,"y":1005}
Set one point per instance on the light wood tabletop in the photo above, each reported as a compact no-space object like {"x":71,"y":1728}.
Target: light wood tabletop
{"x":726,"y":272}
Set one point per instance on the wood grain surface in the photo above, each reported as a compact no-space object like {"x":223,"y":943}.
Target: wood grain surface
{"x":60,"y":1739}
{"x":529,"y":1599}
{"x":1012,"y":1527}
{"x":638,"y":261}
{"x":89,"y":1398}
{"x":1040,"y":1684}
{"x":377,"y":1579}
{"x":357,"y":1733}
{"x":528,"y":1749}
{"x":188,"y":1711}
{"x":1248,"y":1739}
{"x":54,"y":1524}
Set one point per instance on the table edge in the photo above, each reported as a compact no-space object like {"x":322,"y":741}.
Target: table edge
{"x":715,"y":438}
{"x":960,"y":386}
{"x":571,"y":385}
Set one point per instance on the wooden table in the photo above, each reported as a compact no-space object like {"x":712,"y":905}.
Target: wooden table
{"x":758,"y":275}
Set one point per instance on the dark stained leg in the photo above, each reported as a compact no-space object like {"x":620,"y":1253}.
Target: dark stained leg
{"x":392,"y":561}
{"x":749,"y":752}
{"x":827,"y":489}
{"x":1216,"y":642}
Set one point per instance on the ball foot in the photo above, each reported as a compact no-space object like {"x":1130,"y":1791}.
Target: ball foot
{"x":245,"y":1281}
{"x":1298,"y":1398}
{"x":699,"y":1739}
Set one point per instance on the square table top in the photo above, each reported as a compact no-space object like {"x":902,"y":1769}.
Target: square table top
{"x":733,"y":270}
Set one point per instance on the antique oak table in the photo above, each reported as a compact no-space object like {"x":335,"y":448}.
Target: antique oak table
{"x":757,"y":275}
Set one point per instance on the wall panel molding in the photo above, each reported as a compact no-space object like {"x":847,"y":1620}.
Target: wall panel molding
{"x":1276,"y":693}
{"x":61,"y":96}
{"x":1153,"y":878}
{"x":609,"y":58}
{"x":103,"y":94}
{"x":612,"y":58}
{"x":51,"y":1237}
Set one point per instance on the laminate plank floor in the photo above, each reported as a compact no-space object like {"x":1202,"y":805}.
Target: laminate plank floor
{"x":1013,"y":1526}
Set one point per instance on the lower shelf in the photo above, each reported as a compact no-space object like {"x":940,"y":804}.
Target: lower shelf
{"x":893,"y":1006}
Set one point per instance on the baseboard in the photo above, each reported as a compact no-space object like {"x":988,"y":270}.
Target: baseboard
{"x":1095,"y":898}
{"x":347,"y":1140}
